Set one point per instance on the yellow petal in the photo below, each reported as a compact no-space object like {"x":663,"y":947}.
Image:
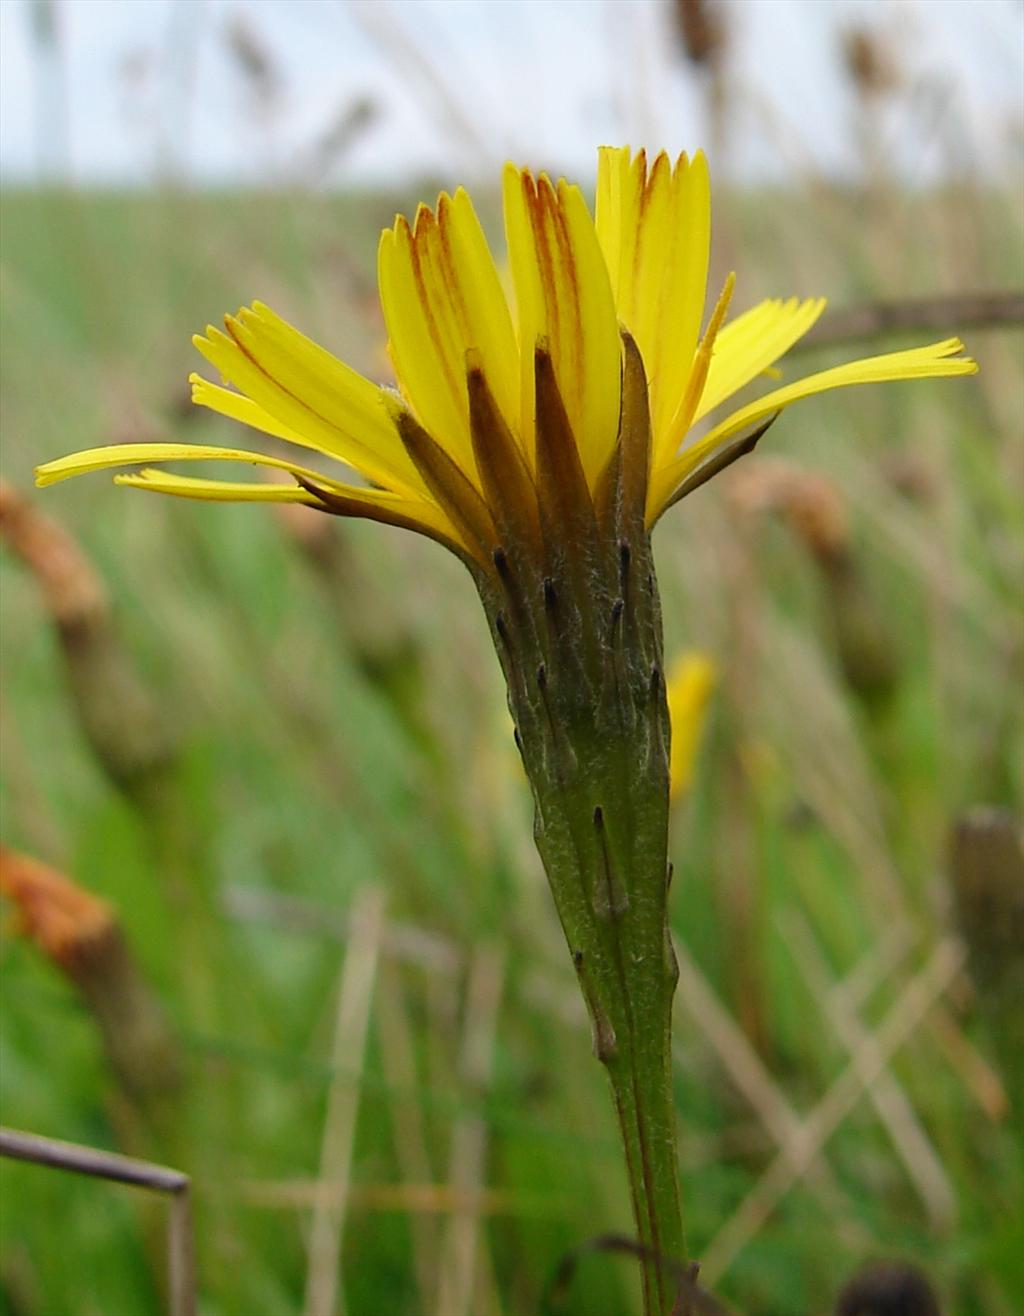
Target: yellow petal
{"x":217,"y":491}
{"x":423,"y":511}
{"x":675,"y":431}
{"x":690,"y":682}
{"x":678,"y":287}
{"x":135,"y":454}
{"x":442,"y":298}
{"x":938,"y":360}
{"x":483,"y":305}
{"x":644,"y":285}
{"x":379,"y":503}
{"x":563,"y":296}
{"x":613,"y":177}
{"x":311,"y":392}
{"x":621,"y":181}
{"x":931,"y":362}
{"x":236,"y":407}
{"x":692,"y":256}
{"x":750,"y":344}
{"x":655,"y":233}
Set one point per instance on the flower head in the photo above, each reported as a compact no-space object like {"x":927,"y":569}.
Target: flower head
{"x":461,"y":449}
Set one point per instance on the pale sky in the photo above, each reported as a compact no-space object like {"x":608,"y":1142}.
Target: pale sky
{"x":140,"y":87}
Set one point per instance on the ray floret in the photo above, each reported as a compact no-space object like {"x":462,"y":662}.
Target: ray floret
{"x":641,"y":264}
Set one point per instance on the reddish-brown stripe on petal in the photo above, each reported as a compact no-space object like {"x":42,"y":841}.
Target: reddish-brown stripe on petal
{"x":230,"y":323}
{"x":419,"y":240}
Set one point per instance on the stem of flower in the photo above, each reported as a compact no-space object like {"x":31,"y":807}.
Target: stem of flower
{"x":592,"y":724}
{"x":627,"y":971}
{"x":572,"y":601}
{"x":654,"y":1190}
{"x":642,"y":1087}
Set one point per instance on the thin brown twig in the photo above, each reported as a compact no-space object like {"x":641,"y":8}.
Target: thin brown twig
{"x":955,"y":312}
{"x":691,"y":1299}
{"x":100,"y":1164}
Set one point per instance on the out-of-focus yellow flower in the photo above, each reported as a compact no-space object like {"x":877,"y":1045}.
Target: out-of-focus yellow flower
{"x":468,"y":364}
{"x":690,"y":684}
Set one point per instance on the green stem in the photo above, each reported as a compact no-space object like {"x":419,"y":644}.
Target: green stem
{"x":643,"y":1100}
{"x":572,"y":602}
{"x":615,"y":923}
{"x":592,"y":723}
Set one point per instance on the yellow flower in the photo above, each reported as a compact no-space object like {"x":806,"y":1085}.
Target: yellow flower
{"x":689,"y":685}
{"x":640,"y":264}
{"x":541,"y":447}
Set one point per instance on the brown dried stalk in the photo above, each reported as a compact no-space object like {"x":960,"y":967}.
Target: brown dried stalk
{"x":79,"y":933}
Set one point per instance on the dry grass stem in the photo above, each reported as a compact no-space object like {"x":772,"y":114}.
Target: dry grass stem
{"x":746,"y":1069}
{"x":873,"y":968}
{"x":355,"y":994}
{"x":886,"y":1095}
{"x":467,"y":1164}
{"x":122,"y":720}
{"x":403,"y":942}
{"x":423,"y":1200}
{"x":964,"y":1058}
{"x":399,"y":1059}
{"x":790,"y":1165}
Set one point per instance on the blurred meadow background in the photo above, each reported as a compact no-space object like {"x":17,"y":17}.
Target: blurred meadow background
{"x":291,"y":936}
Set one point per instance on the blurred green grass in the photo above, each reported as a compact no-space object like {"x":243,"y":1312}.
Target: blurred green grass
{"x":340,"y":734}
